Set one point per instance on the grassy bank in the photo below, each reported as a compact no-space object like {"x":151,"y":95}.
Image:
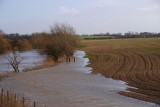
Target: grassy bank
{"x":136,"y":61}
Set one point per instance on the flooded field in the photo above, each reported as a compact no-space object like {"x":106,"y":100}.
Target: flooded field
{"x":71,"y":85}
{"x":30,"y":59}
{"x":135,"y":61}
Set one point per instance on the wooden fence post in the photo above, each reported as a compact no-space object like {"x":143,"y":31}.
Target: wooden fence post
{"x":34,"y":105}
{"x":15,"y":99}
{"x":69,"y":59}
{"x":7,"y":95}
{"x":2,"y":95}
{"x":74,"y":59}
{"x":8,"y":103}
{"x":23,"y":101}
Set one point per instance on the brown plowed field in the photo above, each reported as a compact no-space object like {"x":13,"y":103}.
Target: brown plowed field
{"x":136,"y":61}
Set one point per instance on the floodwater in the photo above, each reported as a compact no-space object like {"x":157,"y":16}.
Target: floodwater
{"x":70,"y":85}
{"x":29,"y":59}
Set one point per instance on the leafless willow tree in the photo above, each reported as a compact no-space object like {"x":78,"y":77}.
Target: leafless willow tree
{"x":14,"y":60}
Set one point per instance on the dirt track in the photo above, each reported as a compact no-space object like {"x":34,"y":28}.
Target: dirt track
{"x":70,"y":85}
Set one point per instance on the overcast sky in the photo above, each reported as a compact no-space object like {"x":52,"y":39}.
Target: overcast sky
{"x":86,"y":16}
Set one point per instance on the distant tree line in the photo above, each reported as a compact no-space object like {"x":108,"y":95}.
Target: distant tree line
{"x":15,"y":42}
{"x":128,"y":35}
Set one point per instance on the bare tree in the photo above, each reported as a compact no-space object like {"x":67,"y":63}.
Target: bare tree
{"x":14,"y":60}
{"x":62,"y":29}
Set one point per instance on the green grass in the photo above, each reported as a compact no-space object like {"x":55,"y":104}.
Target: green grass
{"x":88,"y":56}
{"x":95,"y":37}
{"x":81,"y":47}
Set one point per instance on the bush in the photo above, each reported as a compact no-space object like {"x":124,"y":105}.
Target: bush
{"x":64,"y":41}
{"x":4,"y":44}
{"x":40,"y":40}
{"x":24,"y":45}
{"x":61,"y":40}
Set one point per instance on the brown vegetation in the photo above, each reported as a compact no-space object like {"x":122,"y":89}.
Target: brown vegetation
{"x":19,"y":44}
{"x":62,"y":40}
{"x":11,"y":100}
{"x":4,"y":44}
{"x":8,"y":99}
{"x":24,"y":45}
{"x":136,"y":61}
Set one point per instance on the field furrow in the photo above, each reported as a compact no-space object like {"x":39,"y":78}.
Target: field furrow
{"x":136,"y":61}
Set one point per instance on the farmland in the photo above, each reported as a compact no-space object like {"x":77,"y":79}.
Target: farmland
{"x":135,"y":61}
{"x":95,"y":37}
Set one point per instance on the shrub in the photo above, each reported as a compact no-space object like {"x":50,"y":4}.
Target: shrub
{"x":4,"y":44}
{"x":61,"y":40}
{"x":65,"y":40}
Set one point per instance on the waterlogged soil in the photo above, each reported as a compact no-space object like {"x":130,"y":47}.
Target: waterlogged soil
{"x":70,"y":85}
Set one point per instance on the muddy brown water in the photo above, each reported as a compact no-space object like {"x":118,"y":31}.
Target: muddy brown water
{"x":70,"y":85}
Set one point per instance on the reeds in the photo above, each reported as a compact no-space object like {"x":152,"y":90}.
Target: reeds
{"x":11,"y":100}
{"x":8,"y":99}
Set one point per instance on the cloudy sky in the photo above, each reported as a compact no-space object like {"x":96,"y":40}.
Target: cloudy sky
{"x":86,"y":16}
